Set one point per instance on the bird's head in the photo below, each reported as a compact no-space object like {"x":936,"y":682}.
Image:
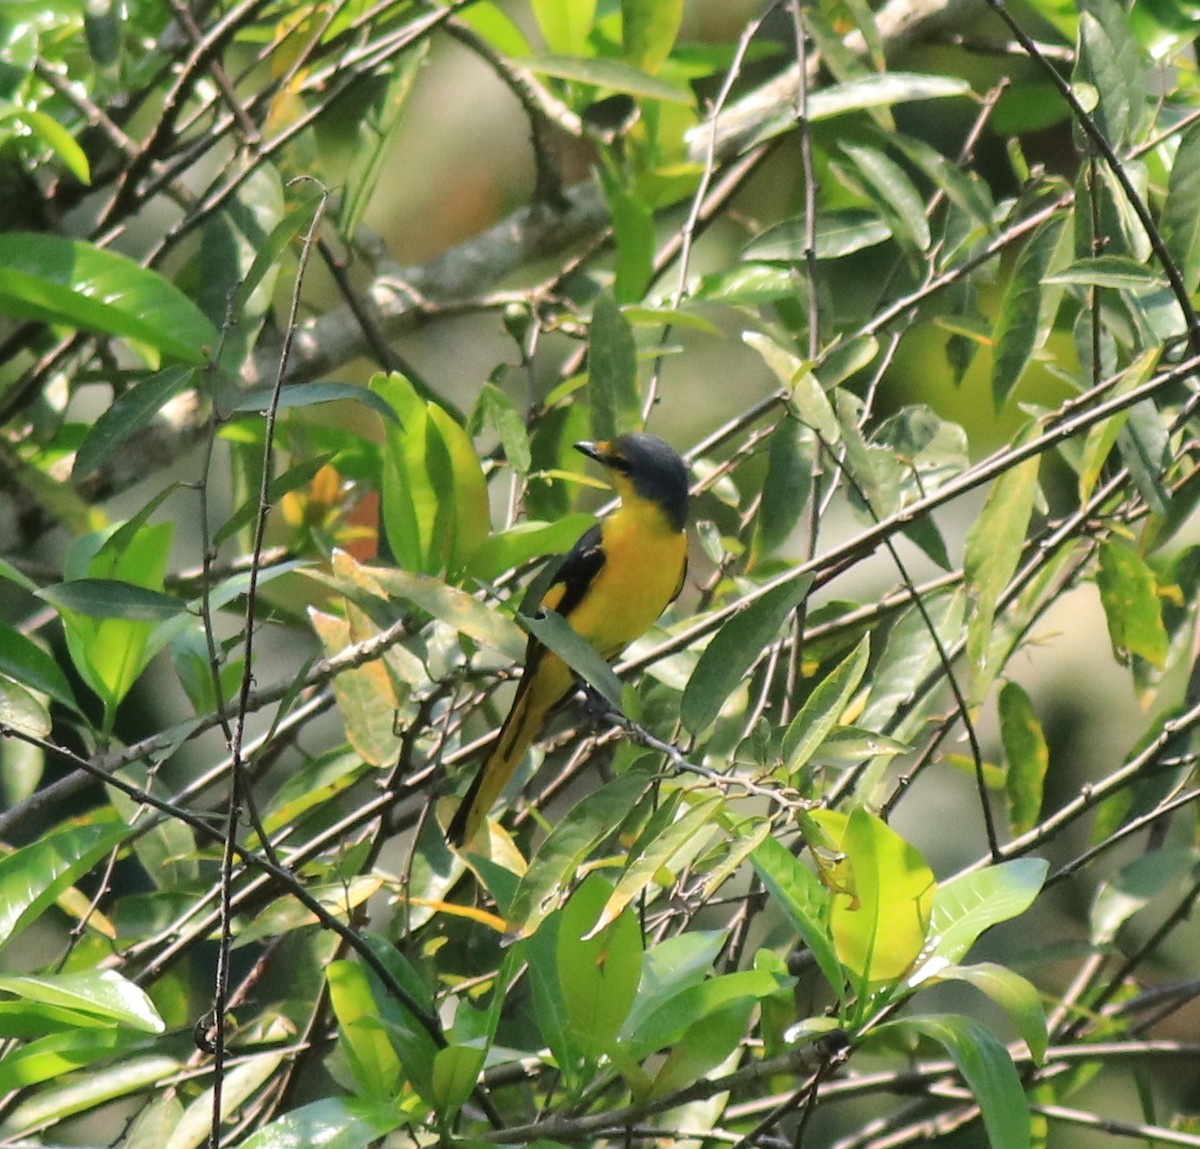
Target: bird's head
{"x":642,"y":466}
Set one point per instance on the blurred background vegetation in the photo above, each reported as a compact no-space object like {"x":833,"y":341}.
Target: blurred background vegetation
{"x":301,"y":310}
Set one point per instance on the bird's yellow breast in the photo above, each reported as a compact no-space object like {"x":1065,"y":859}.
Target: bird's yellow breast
{"x":644,"y":565}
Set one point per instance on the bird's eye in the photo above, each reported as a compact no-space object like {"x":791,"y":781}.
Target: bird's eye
{"x":616,"y":463}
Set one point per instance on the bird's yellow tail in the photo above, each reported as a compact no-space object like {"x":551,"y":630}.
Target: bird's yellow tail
{"x":519,"y":730}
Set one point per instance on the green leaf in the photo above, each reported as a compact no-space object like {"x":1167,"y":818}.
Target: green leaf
{"x":1132,"y":607}
{"x":265,"y":264}
{"x":90,"y":1091}
{"x":525,"y":541}
{"x":25,"y":661}
{"x":464,"y":517}
{"x":838,"y":232}
{"x":648,"y":31}
{"x":966,"y":905}
{"x":880,"y":911}
{"x":1028,"y":757}
{"x":806,"y":394}
{"x":1014,"y":994}
{"x":32,"y":877}
{"x":806,"y":902}
{"x":668,"y":968}
{"x":611,"y":75}
{"x":112,"y":598}
{"x":54,"y":136}
{"x":1109,"y":60}
{"x":376,"y":131}
{"x":986,"y":1068}
{"x":734,"y":649}
{"x":1134,"y":886}
{"x":244,"y":1079}
{"x":73,"y":284}
{"x":112,"y":576}
{"x":993,"y":549}
{"x":612,"y":371}
{"x":372,"y":1059}
{"x":98,"y":993}
{"x":654,"y":849}
{"x":129,"y":412}
{"x":559,"y":857}
{"x":455,"y":608}
{"x":1145,"y":446}
{"x":910,"y":655}
{"x":455,"y":1071}
{"x":633,"y":231}
{"x":495,"y":409}
{"x":964,"y":188}
{"x":667,"y":1024}
{"x":332,"y":1123}
{"x":565,"y":24}
{"x":310,"y":394}
{"x":20,"y":710}
{"x":1180,"y":224}
{"x":878,"y":90}
{"x":597,"y":969}
{"x":786,"y":488}
{"x":554,"y":632}
{"x":893,"y":187}
{"x":1119,"y":272}
{"x":1028,"y":308}
{"x":706,"y":1044}
{"x":549,"y":1009}
{"x":409,"y":500}
{"x":61,"y":1053}
{"x":823,"y":708}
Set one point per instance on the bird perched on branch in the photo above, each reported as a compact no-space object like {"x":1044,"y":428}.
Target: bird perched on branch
{"x":612,"y":585}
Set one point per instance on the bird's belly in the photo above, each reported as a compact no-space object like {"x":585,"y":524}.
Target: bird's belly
{"x":640,"y":577}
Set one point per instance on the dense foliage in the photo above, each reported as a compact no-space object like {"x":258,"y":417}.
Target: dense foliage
{"x":919,"y":309}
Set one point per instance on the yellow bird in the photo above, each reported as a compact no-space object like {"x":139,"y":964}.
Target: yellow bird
{"x":615,"y":581}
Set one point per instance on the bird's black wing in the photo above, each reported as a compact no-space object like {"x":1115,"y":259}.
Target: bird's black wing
{"x":576,"y":572}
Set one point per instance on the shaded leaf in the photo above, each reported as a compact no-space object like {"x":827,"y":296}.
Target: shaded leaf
{"x":1132,"y":607}
{"x":824,"y":707}
{"x":1028,"y":757}
{"x":128,"y":413}
{"x":612,"y":75}
{"x":734,"y":649}
{"x":25,"y":661}
{"x":111,"y":598}
{"x":74,"y":284}
{"x":985,"y":1066}
{"x":310,"y":394}
{"x":1027,"y":309}
{"x":612,"y":371}
{"x":993,"y":549}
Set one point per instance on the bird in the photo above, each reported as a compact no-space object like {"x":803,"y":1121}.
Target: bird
{"x":611,"y":587}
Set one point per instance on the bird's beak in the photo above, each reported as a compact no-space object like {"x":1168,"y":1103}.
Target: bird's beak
{"x":593,"y":450}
